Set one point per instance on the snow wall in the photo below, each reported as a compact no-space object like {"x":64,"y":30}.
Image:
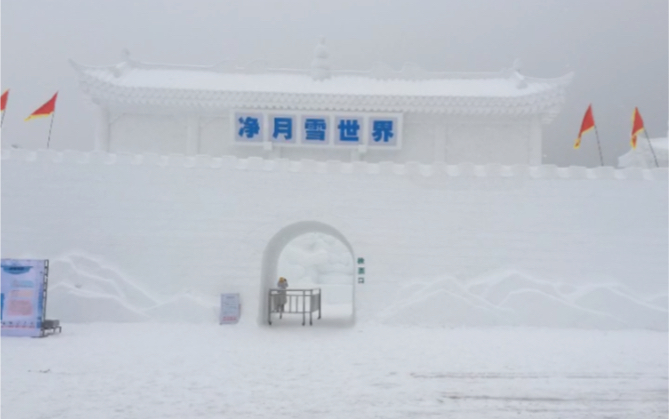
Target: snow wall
{"x":425,"y":138}
{"x":148,"y":237}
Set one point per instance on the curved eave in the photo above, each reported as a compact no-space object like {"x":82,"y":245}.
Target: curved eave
{"x":546,"y":103}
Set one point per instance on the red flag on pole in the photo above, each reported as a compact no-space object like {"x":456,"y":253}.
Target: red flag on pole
{"x":637,"y":126}
{"x":587,"y":124}
{"x":44,"y":110}
{"x":3,"y":100}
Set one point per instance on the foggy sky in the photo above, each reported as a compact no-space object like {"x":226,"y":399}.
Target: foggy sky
{"x":618,"y":50}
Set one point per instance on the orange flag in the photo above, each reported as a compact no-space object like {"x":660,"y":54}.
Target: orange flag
{"x":637,"y":126}
{"x":587,"y":124}
{"x":44,"y":110}
{"x":3,"y":100}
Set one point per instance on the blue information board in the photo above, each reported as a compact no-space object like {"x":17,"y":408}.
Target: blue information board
{"x":22,"y":297}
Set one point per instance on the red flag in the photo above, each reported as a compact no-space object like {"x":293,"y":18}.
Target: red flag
{"x":637,"y":126}
{"x":44,"y":110}
{"x":587,"y":124}
{"x":3,"y":100}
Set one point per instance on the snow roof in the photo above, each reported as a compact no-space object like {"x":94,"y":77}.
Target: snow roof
{"x":224,"y":86}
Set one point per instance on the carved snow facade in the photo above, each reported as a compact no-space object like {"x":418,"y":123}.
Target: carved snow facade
{"x":479,"y":118}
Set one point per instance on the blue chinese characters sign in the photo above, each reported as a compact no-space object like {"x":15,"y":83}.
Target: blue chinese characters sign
{"x":349,"y":130}
{"x":315,"y":129}
{"x":249,"y":127}
{"x":22,"y":297}
{"x":282,"y":129}
{"x":378,"y":131}
{"x":382,"y":131}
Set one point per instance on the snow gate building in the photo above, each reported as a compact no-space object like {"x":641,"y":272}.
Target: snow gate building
{"x":201,"y":176}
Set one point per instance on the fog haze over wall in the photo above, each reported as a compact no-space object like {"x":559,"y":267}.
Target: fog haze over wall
{"x":618,"y":50}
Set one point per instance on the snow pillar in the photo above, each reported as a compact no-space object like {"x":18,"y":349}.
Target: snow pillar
{"x":439,"y":143}
{"x":535,"y":145}
{"x":101,"y":129}
{"x":358,"y":154}
{"x":270,"y":151}
{"x":193,"y":136}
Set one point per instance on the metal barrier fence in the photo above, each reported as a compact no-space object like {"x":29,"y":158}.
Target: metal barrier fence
{"x":294,"y":301}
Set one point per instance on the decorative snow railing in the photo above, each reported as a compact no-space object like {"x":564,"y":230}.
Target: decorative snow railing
{"x":464,"y":170}
{"x":294,"y":301}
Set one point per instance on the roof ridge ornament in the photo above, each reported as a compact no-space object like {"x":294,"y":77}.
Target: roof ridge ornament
{"x":125,"y":55}
{"x":320,"y":66}
{"x":119,"y":69}
{"x":128,"y":63}
{"x":518,"y":78}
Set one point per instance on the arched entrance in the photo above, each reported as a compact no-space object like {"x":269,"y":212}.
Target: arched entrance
{"x":275,"y":247}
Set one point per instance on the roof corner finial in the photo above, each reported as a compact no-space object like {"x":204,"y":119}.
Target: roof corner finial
{"x":77,"y":67}
{"x":320,"y":66}
{"x":119,"y":69}
{"x":128,"y":60}
{"x":518,"y":78}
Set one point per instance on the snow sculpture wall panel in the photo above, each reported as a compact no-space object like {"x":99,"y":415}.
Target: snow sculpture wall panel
{"x":176,"y":224}
{"x":503,"y":143}
{"x":131,"y":133}
{"x":418,"y":145}
{"x":426,"y":138}
{"x":215,"y":137}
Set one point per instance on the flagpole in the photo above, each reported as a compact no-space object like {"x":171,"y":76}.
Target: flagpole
{"x":50,"y":126}
{"x":651,"y":147}
{"x":2,"y":120}
{"x":601,"y":159}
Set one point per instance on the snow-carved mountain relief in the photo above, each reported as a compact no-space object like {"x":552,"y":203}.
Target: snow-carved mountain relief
{"x":512,"y":298}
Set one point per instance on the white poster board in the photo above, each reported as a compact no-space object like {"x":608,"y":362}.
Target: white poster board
{"x":230,"y":309}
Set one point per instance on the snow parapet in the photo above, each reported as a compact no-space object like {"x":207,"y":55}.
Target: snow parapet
{"x":336,"y":167}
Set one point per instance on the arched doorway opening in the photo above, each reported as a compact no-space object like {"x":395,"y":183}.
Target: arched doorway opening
{"x":311,"y":254}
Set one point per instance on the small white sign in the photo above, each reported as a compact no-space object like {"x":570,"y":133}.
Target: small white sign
{"x":230,"y":309}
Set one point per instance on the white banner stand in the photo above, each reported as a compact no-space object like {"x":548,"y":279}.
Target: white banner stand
{"x":230,"y":309}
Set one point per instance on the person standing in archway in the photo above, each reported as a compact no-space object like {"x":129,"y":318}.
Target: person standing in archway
{"x":282,"y":285}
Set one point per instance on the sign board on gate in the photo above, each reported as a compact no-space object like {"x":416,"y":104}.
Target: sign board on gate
{"x":230,"y":309}
{"x":378,"y":131}
{"x":22,"y":296}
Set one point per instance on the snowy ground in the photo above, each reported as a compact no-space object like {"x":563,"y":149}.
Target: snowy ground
{"x":368,"y":371}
